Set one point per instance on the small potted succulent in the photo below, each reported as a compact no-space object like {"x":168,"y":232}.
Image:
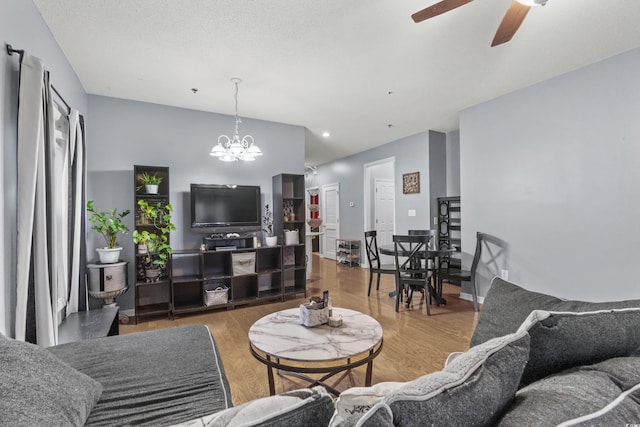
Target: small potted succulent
{"x":108,"y":224}
{"x":267,"y":224}
{"x":150,"y":182}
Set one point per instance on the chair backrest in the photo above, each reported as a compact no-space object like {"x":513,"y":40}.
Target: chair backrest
{"x":430,"y":233}
{"x":371,"y":243}
{"x":409,"y":253}
{"x":495,"y":248}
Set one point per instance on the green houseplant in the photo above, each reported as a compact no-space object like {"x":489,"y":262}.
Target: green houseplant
{"x":108,"y":224}
{"x":267,"y":227}
{"x":157,"y":241}
{"x":150,"y":182}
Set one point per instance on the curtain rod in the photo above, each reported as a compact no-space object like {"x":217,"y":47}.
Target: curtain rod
{"x":11,"y":51}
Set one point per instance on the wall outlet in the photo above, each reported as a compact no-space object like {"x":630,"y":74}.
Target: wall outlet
{"x":412,"y":212}
{"x":504,"y":274}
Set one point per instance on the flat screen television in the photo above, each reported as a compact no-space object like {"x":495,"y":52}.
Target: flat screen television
{"x":225,"y":208}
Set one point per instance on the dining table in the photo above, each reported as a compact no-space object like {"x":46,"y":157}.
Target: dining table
{"x":428,"y":254}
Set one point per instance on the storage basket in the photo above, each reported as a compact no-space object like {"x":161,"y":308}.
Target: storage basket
{"x":243,"y":263}
{"x":217,"y":296}
{"x":312,"y":318}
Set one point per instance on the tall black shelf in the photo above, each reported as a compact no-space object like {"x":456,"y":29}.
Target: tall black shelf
{"x":449,"y":231}
{"x":289,"y":197}
{"x":152,"y":298}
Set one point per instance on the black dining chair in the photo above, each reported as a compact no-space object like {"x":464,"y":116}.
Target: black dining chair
{"x":411,"y":272}
{"x":373,"y":256}
{"x":495,"y":248}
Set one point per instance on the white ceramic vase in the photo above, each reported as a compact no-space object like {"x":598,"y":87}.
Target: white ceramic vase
{"x":151,"y":189}
{"x":271,"y":240}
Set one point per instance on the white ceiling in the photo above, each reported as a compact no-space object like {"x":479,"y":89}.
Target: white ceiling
{"x":330,"y":65}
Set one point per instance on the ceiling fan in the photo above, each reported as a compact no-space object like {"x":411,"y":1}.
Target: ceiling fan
{"x":508,"y":27}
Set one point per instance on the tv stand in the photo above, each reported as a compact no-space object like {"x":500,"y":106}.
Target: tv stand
{"x":240,"y":242}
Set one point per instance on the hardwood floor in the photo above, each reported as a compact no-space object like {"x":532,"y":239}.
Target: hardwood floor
{"x":414,"y":344}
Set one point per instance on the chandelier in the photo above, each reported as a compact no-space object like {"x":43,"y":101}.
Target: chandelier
{"x":234,"y":149}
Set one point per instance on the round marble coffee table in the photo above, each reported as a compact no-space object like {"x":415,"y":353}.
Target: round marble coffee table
{"x":279,"y":341}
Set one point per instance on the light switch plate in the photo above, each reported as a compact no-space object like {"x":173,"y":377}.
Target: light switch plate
{"x":412,"y":212}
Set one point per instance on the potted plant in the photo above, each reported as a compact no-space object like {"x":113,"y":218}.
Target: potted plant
{"x":267,"y":224}
{"x":108,"y":224}
{"x":157,"y":241}
{"x":142,"y":238}
{"x":150,"y":182}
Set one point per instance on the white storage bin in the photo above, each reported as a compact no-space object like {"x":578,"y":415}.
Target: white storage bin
{"x":243,"y":263}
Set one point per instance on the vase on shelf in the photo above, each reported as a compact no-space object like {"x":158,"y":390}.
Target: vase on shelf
{"x":271,"y":240}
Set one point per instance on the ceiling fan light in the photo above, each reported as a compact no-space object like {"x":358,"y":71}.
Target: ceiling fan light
{"x":254,"y":151}
{"x":533,"y":2}
{"x":228,"y":158}
{"x":218,"y":150}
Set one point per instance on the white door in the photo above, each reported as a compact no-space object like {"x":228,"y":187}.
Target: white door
{"x":330,"y":205}
{"x":384,"y":213}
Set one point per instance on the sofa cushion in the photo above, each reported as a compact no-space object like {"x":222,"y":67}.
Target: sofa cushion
{"x":304,"y":407}
{"x":173,"y":375}
{"x":604,"y":394}
{"x":356,"y":401}
{"x":507,"y":305}
{"x":475,"y":386}
{"x":563,"y":340}
{"x":37,"y":388}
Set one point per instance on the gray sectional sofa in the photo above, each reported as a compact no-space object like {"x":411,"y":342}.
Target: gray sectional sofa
{"x":534,"y":360}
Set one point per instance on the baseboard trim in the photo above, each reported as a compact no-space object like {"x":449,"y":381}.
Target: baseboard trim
{"x":468,"y":297}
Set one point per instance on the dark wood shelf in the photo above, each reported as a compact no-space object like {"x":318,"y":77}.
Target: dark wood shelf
{"x":186,"y":279}
{"x":157,"y":293}
{"x":152,"y":309}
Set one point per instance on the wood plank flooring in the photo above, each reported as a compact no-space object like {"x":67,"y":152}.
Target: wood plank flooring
{"x":414,"y":344}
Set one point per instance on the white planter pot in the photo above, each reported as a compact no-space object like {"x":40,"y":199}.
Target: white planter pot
{"x":142,"y":248}
{"x":108,"y":255}
{"x":271,"y":240}
{"x":151,"y":189}
{"x":153,"y":274}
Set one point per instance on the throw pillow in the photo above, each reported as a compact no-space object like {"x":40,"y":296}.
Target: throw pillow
{"x":507,"y":305}
{"x":37,"y":388}
{"x":563,"y":340}
{"x":589,"y":395}
{"x":380,"y":415}
{"x":354,"y":402}
{"x":475,"y":387}
{"x":302,"y":407}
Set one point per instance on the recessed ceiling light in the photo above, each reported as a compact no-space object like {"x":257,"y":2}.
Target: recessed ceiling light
{"x":326,"y":134}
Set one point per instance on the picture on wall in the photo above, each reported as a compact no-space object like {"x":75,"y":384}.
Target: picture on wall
{"x":411,"y":183}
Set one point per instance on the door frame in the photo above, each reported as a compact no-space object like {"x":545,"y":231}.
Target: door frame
{"x":369,"y":202}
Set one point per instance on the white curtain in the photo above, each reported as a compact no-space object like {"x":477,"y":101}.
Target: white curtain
{"x":76,"y":210}
{"x":50,"y":279}
{"x":34,"y":316}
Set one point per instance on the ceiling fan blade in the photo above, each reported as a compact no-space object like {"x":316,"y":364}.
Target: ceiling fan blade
{"x":510,"y":23}
{"x":437,"y":9}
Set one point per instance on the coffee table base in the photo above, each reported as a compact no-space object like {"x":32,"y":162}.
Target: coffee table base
{"x":301,"y":371}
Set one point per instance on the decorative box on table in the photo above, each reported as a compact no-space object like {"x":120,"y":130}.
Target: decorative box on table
{"x":310,"y":317}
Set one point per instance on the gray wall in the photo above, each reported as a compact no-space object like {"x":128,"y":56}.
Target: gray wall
{"x":553,"y":169}
{"x":453,"y":163}
{"x":22,"y":26}
{"x":123,"y":133}
{"x":411,"y":155}
{"x":437,"y":172}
